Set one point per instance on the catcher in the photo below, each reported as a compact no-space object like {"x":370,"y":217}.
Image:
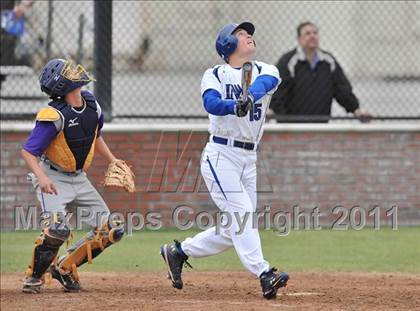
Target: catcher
{"x":65,"y":137}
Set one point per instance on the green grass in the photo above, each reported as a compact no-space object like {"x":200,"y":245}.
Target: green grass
{"x":367,"y":250}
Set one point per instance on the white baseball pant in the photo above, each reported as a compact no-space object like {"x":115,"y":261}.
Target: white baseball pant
{"x":231,"y":178}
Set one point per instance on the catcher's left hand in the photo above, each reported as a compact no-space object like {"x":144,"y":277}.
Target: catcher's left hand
{"x":119,"y":174}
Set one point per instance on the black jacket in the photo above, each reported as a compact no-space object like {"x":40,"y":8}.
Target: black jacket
{"x":306,"y":91}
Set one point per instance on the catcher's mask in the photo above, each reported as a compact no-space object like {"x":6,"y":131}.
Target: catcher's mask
{"x":60,"y":77}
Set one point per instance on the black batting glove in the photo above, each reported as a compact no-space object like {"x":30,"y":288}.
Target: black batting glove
{"x":242,"y":107}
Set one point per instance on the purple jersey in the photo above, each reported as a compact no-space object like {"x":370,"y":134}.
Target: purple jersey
{"x":44,"y":133}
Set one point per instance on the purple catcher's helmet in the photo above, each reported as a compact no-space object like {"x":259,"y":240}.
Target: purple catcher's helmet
{"x":226,"y":42}
{"x":60,"y":76}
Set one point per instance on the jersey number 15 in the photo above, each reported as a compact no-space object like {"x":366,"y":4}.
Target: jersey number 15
{"x":256,"y":114}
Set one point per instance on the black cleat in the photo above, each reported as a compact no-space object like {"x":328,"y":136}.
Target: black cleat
{"x":271,"y":282}
{"x":66,"y":280}
{"x":174,"y":261}
{"x":32,"y":285}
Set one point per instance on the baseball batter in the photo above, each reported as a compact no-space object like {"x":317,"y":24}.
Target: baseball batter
{"x":228,"y":162}
{"x":65,"y":136}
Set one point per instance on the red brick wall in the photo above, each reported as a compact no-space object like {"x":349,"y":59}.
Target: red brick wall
{"x":308,"y":169}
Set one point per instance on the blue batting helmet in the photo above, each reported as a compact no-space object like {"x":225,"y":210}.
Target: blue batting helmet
{"x":226,"y":42}
{"x":59,"y":77}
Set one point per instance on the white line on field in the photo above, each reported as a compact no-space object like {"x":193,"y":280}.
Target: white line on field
{"x":187,"y":301}
{"x":303,"y":294}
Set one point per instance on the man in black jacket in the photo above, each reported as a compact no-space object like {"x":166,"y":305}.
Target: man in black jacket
{"x":311,"y":78}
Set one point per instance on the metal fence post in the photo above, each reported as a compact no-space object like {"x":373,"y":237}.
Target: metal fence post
{"x":103,"y":56}
{"x":82,"y":21}
{"x":48,"y":39}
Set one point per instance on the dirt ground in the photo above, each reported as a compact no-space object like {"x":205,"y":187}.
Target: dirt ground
{"x":219,"y":291}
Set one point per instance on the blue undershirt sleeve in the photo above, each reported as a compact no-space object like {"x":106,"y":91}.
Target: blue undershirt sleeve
{"x":214,"y":104}
{"x":262,"y":85}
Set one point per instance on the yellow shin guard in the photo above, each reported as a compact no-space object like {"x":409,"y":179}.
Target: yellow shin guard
{"x":87,"y":248}
{"x":45,"y":250}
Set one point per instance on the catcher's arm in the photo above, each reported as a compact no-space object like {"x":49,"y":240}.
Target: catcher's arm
{"x":45,"y":183}
{"x":103,"y":149}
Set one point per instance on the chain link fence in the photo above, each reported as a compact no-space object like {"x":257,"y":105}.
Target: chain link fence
{"x":160,"y":49}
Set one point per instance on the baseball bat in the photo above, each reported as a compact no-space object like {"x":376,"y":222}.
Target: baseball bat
{"x":246,"y":81}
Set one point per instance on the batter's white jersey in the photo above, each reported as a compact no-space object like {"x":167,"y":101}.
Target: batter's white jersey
{"x":227,"y":80}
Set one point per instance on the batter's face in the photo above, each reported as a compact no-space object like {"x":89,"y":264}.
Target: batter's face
{"x":246,"y":45}
{"x":309,"y":37}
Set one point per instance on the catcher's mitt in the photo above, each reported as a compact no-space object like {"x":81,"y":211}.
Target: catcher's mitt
{"x":119,"y":174}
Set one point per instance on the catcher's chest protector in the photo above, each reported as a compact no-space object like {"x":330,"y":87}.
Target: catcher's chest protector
{"x":73,"y":148}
